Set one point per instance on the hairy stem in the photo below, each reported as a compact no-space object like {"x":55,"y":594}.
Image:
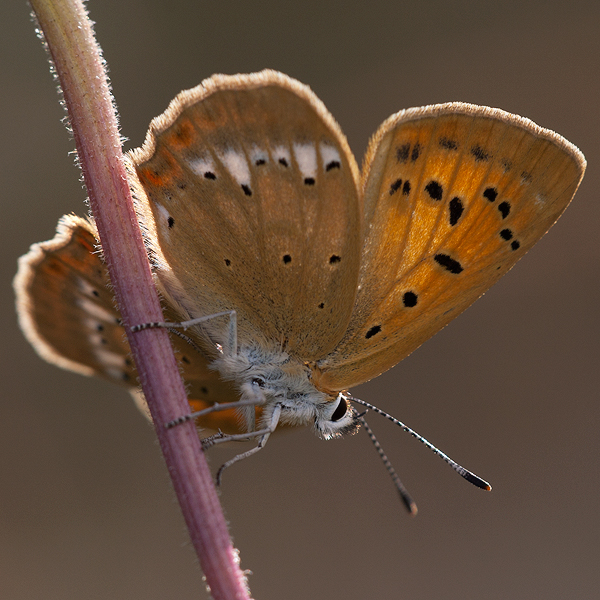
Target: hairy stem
{"x":80,"y":70}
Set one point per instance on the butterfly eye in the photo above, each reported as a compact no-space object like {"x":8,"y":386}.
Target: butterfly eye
{"x":340,"y":410}
{"x":259,"y":382}
{"x":341,"y":421}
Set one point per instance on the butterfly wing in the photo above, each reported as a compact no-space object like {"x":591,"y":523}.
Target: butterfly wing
{"x":68,"y":314}
{"x":65,"y":308}
{"x":248,"y":197}
{"x":454,"y":195}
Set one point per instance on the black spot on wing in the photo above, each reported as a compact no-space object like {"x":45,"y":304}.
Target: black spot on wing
{"x":409,"y":299}
{"x":456,"y":209}
{"x":334,"y":258}
{"x":507,"y":235}
{"x":309,"y":181}
{"x":416,"y":151}
{"x":287,"y":259}
{"x":334,"y":164}
{"x":171,"y":222}
{"x":373,"y":331}
{"x":448,"y":144}
{"x":504,"y":208}
{"x":490,"y":194}
{"x":209,"y":175}
{"x":246,"y":189}
{"x":395,"y":186}
{"x":435,"y":190}
{"x":446,"y":261}
{"x":402,"y":153}
{"x":479,"y":153}
{"x":406,"y":188}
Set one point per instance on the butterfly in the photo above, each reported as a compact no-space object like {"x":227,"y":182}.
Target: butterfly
{"x":297,"y":275}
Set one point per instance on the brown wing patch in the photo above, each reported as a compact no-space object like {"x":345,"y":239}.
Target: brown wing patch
{"x":248,"y":194}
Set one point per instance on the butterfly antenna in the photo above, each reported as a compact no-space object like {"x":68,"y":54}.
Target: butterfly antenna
{"x":465,"y":473}
{"x":404,"y":495}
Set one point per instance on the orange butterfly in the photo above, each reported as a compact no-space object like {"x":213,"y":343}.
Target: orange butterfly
{"x":302,"y":275}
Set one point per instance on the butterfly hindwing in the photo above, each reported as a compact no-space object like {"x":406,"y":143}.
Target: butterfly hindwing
{"x":66,"y":309}
{"x":68,"y":313}
{"x":454,"y":195}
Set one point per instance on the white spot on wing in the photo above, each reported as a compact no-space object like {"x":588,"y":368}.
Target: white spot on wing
{"x":236,"y":163}
{"x":91,"y":323}
{"x":306,"y":157}
{"x":163,"y":222}
{"x":112,"y":363}
{"x":110,"y":359}
{"x":96,"y":311}
{"x":258,"y":154}
{"x":87,"y":288}
{"x":329,"y":154}
{"x":282,"y":153}
{"x":95,"y":339}
{"x":202,"y":165}
{"x":115,"y":373}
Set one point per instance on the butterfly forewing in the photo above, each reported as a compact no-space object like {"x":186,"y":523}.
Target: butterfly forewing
{"x":250,"y":201}
{"x":454,"y":196}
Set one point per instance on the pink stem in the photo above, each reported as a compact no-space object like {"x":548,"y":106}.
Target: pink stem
{"x":80,"y":70}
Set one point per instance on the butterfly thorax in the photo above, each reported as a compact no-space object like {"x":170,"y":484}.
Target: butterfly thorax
{"x":276,"y":380}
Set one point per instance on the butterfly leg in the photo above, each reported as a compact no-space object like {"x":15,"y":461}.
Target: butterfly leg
{"x":264,"y":436}
{"x":214,"y":408}
{"x":221,"y":438}
{"x":230,"y":346}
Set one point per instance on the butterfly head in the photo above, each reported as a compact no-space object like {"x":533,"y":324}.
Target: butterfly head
{"x":274,"y":379}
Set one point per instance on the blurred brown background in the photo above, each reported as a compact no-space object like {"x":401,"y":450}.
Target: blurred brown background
{"x":86,"y":509}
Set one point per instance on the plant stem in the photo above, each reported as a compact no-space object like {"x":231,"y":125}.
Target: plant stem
{"x":80,"y":71}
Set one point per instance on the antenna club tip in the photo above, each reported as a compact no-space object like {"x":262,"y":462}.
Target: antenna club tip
{"x":408,"y":502}
{"x":482,"y":484}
